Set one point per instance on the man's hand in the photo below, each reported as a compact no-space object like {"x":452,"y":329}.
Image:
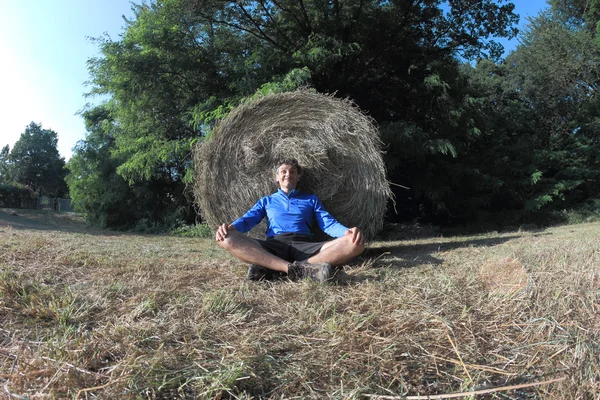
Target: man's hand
{"x":223,"y":231}
{"x":357,"y":236}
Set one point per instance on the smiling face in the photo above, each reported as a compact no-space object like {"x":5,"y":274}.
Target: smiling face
{"x":287,"y":177}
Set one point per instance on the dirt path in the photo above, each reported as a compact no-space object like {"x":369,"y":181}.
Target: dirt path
{"x":42,"y":220}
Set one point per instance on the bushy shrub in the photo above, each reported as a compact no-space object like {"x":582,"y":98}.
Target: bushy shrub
{"x":198,"y":230}
{"x":16,"y":195}
{"x":586,"y":212}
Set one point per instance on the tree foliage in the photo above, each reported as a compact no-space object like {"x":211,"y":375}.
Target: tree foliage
{"x":103,"y":195}
{"x":557,"y":75}
{"x":5,"y":164}
{"x":35,"y":162}
{"x":96,"y":189}
{"x":180,"y":65}
{"x":540,"y":119}
{"x":475,"y":137}
{"x":16,"y":195}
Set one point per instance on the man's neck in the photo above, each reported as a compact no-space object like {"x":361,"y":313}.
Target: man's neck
{"x":287,"y":191}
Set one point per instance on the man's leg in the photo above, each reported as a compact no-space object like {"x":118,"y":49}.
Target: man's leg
{"x":249,"y":251}
{"x":337,"y":252}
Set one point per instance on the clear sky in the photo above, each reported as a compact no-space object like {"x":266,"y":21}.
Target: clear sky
{"x":44,"y":49}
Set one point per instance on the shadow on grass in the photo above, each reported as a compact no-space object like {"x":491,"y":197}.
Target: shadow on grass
{"x":402,"y":256}
{"x":410,"y":255}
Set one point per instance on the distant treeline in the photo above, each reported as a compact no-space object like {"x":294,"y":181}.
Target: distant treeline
{"x":478,"y":139}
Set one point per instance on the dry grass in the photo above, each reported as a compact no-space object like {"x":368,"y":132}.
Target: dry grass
{"x":95,"y":315}
{"x":505,"y":276}
{"x":336,"y":144}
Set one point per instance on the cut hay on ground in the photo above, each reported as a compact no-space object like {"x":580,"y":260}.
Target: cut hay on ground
{"x":109,"y":315}
{"x":335,"y":143}
{"x":505,"y":276}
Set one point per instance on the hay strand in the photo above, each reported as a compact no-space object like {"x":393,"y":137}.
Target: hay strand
{"x":463,"y":394}
{"x":462,"y":363}
{"x":336,"y":144}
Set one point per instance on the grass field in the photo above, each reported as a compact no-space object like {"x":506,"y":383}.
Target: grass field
{"x":97,"y":314}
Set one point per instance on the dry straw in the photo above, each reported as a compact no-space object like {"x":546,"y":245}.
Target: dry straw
{"x":336,"y":144}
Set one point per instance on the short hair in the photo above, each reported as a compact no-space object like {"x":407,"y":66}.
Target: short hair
{"x":289,"y":161}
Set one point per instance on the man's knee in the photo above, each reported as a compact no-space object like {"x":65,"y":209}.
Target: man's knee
{"x":354,"y":249}
{"x":235,"y":242}
{"x":228,"y":243}
{"x":224,"y":244}
{"x":358,"y":249}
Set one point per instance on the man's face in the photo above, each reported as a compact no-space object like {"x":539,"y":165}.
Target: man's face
{"x":287,"y":177}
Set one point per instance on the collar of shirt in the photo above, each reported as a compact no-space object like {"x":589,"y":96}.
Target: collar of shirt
{"x":291,"y":194}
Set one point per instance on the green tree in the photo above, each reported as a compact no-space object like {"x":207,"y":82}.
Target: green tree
{"x":577,"y":14}
{"x":497,"y":168}
{"x":5,"y":164}
{"x":556,"y":73}
{"x":96,"y":189}
{"x":182,"y":64}
{"x":534,"y":144}
{"x":105,"y":197}
{"x":35,"y":161}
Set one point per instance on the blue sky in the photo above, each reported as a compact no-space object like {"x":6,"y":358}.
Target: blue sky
{"x":44,"y":50}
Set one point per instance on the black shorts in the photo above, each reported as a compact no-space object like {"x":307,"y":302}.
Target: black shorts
{"x":291,"y":246}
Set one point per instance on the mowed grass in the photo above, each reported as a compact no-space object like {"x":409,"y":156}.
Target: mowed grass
{"x":118,"y":316}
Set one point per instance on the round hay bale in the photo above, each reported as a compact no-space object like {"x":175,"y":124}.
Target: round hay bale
{"x":337,"y":146}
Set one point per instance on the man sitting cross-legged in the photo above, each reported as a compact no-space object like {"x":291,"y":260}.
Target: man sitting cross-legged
{"x":290,"y":247}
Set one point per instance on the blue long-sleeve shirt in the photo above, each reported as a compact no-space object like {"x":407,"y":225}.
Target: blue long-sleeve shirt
{"x":292,"y":213}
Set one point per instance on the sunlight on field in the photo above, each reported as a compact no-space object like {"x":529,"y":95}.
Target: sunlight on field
{"x":100,"y":314}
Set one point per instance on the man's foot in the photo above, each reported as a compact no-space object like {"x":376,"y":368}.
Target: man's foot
{"x":317,"y":272}
{"x":257,"y":273}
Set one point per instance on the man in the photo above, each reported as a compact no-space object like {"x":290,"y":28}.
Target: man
{"x":290,"y":247}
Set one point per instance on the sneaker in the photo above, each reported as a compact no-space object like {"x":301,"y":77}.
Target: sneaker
{"x":257,"y":273}
{"x":317,"y":272}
